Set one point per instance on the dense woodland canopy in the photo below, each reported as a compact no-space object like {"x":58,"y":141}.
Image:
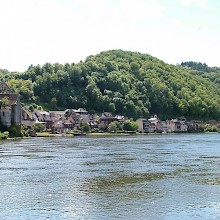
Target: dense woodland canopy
{"x":122,"y":82}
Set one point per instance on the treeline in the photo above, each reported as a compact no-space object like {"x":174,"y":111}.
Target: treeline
{"x":129,"y":83}
{"x":203,"y":70}
{"x":203,"y":67}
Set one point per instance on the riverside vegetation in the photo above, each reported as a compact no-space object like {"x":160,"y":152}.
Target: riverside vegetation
{"x":128,"y":83}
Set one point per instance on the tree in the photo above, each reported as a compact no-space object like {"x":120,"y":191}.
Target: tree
{"x":53,"y":103}
{"x":85,"y":127}
{"x":24,"y":87}
{"x":111,"y":107}
{"x":128,"y":83}
{"x":130,"y":126}
{"x":4,"y":102}
{"x":135,"y":67}
{"x":210,"y":128}
{"x":31,"y":108}
{"x":39,"y":127}
{"x":115,"y":126}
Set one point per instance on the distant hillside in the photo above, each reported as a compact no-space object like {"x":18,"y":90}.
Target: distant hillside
{"x":123,"y":82}
{"x":203,"y":70}
{"x":202,"y":67}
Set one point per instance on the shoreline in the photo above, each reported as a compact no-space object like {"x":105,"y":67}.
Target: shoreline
{"x":104,"y":134}
{"x":108,"y":134}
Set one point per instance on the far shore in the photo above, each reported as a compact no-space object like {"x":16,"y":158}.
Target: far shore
{"x":104,"y":134}
{"x":46,"y":134}
{"x":101,"y":134}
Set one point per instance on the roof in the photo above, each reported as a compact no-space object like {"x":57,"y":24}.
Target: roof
{"x":57,"y":112}
{"x":30,"y":116}
{"x":41,"y":112}
{"x":108,"y":119}
{"x":4,"y":88}
{"x":80,"y":110}
{"x":142,"y":119}
{"x":12,"y":97}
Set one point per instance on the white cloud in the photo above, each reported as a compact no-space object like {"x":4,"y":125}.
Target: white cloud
{"x":201,"y":3}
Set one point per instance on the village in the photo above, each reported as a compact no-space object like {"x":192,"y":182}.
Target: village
{"x":70,"y":120}
{"x":61,"y":122}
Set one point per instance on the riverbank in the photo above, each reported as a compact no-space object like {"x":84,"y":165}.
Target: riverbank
{"x":45,"y":134}
{"x":104,"y":134}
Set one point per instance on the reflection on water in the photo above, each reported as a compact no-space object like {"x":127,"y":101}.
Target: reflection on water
{"x":127,"y":177}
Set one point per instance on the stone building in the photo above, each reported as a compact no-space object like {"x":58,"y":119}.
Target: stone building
{"x":10,"y":106}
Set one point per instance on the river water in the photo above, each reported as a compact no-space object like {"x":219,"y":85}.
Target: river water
{"x":120,"y":177}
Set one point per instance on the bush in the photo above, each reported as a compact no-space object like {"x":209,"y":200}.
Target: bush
{"x":95,"y":130}
{"x":115,"y":126}
{"x":39,"y":127}
{"x":130,"y":126}
{"x":4,"y":135}
{"x":15,"y":130}
{"x":210,"y":128}
{"x":85,"y":127}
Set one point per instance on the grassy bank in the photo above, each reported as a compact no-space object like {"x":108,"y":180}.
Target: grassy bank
{"x":46,"y":134}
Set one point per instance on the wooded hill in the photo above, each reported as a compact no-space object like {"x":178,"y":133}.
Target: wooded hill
{"x":123,"y":82}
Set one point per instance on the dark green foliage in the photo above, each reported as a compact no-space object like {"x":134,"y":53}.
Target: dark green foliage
{"x":196,"y":66}
{"x":129,"y":83}
{"x":4,"y":135}
{"x":130,"y":126}
{"x":204,"y":71}
{"x":115,"y":126}
{"x":3,"y":128}
{"x":39,"y":127}
{"x":209,"y":128}
{"x":85,"y":127}
{"x":23,"y":87}
{"x":14,"y":130}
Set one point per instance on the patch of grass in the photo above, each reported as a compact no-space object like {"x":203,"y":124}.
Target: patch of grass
{"x":45,"y":134}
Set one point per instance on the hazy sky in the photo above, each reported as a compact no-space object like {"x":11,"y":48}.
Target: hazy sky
{"x":61,"y":31}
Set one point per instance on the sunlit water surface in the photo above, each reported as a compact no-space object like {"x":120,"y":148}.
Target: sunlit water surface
{"x":126,"y":177}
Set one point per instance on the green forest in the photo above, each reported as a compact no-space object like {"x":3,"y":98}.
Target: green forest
{"x":122,"y":82}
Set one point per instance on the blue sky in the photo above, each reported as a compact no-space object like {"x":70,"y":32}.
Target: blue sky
{"x":61,"y":31}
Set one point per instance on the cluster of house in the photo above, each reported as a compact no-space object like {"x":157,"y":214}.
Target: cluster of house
{"x":69,"y":119}
{"x":64,"y":121}
{"x":11,"y":112}
{"x":155,"y":125}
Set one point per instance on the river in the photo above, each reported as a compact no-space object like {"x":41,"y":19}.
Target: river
{"x":120,"y":177}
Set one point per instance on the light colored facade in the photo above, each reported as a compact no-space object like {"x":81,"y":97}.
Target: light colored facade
{"x":164,"y":126}
{"x":84,"y":115}
{"x":176,"y":125}
{"x":145,"y":126}
{"x":154,"y":125}
{"x":141,"y":122}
